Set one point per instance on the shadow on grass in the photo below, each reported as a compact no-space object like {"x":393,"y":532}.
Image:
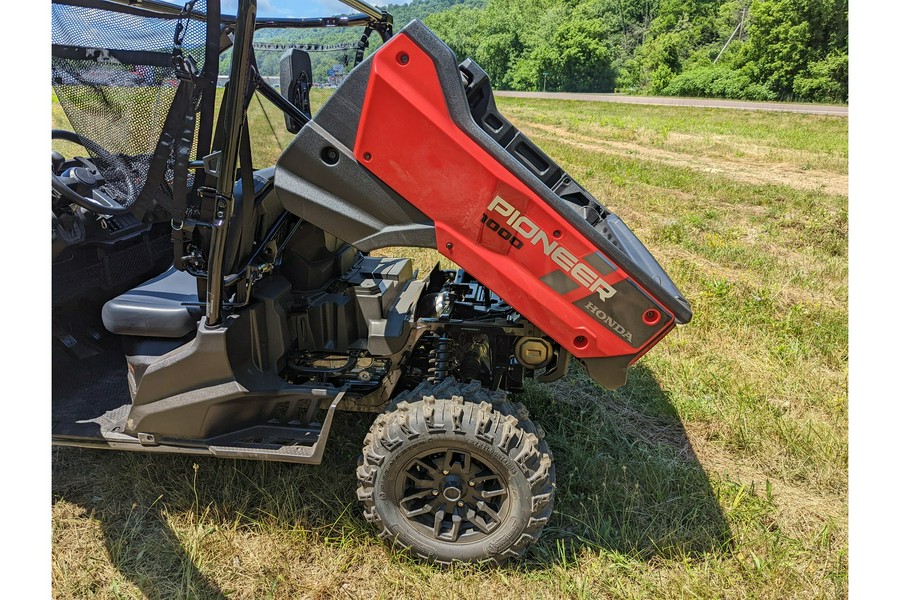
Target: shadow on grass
{"x":627,"y":481}
{"x":140,"y":543}
{"x":156,"y":512}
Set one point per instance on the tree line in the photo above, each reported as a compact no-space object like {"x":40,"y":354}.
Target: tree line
{"x":739,"y":49}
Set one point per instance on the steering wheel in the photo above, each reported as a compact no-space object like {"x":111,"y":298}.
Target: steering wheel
{"x":64,"y":186}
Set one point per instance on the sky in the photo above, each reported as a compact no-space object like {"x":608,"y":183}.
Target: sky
{"x":301,"y":8}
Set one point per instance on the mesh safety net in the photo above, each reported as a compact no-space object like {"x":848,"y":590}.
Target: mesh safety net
{"x":133,"y":81}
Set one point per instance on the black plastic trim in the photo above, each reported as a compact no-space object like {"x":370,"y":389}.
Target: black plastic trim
{"x":339,"y":195}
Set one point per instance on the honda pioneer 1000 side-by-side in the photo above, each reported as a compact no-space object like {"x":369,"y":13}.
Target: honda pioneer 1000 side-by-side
{"x":207,"y":305}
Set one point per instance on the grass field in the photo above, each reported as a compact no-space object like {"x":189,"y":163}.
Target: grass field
{"x":718,"y":471}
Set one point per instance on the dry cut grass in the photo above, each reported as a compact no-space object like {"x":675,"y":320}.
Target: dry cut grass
{"x":718,"y":471}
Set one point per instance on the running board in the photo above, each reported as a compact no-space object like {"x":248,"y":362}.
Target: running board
{"x":285,"y":443}
{"x":300,"y":444}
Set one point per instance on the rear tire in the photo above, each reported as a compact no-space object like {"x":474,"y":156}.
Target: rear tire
{"x":455,"y":472}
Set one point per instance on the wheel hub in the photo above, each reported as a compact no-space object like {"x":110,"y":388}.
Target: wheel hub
{"x":452,"y":495}
{"x":452,"y":488}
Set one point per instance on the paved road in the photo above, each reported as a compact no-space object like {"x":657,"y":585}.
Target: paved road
{"x":811,"y":109}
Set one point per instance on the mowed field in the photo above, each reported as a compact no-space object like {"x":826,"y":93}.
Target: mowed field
{"x":718,"y":471}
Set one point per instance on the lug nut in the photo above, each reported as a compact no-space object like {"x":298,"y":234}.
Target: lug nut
{"x":434,"y":492}
{"x":471,"y":484}
{"x":445,"y":472}
{"x":460,"y":504}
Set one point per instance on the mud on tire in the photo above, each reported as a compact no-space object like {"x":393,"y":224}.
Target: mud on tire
{"x":455,"y":472}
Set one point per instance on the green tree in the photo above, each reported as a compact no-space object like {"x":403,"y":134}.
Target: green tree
{"x":802,"y":42}
{"x":573,"y":59}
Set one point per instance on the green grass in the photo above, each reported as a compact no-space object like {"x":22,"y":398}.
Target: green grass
{"x":709,"y":131}
{"x":719,"y":470}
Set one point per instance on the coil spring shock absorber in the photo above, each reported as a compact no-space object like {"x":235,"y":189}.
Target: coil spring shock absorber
{"x":439,"y":359}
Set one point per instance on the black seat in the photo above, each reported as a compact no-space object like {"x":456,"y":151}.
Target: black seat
{"x":166,"y":306}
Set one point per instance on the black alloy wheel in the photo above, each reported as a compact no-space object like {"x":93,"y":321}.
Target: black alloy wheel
{"x":453,"y":494}
{"x":459,"y":475}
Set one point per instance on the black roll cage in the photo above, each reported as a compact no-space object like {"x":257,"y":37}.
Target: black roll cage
{"x":237,"y":32}
{"x":368,"y":16}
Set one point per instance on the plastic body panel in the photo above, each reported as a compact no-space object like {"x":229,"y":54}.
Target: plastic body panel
{"x":615,"y":237}
{"x":499,"y":221}
{"x":339,"y":195}
{"x":416,"y":169}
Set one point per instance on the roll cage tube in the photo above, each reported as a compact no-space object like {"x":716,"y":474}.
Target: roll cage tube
{"x":232,"y":126}
{"x":373,"y":16}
